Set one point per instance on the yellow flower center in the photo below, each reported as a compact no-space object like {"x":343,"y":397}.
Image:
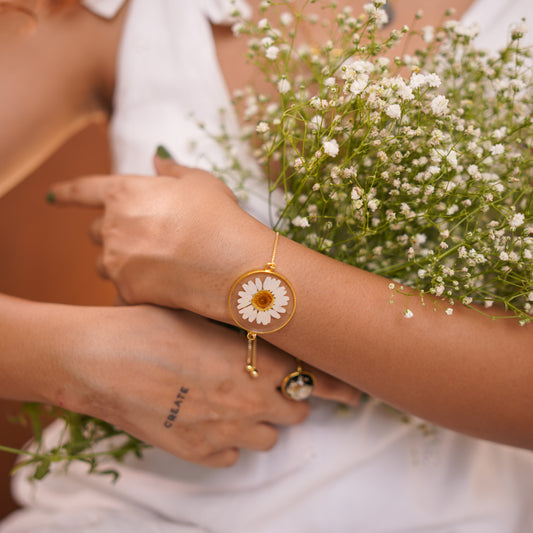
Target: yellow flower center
{"x":263,"y":300}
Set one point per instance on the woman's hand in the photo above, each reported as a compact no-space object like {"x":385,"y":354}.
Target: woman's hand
{"x":177,"y":381}
{"x":169,"y":240}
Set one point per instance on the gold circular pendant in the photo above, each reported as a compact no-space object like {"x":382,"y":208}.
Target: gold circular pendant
{"x":262,"y":301}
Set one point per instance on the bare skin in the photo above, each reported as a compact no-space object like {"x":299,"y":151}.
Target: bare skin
{"x":48,"y":352}
{"x":465,"y":372}
{"x":71,"y":58}
{"x":131,"y":366}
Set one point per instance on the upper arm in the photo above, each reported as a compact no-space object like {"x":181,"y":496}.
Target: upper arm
{"x":53,"y":77}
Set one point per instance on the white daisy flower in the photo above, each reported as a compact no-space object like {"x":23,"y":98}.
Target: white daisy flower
{"x":261,"y":301}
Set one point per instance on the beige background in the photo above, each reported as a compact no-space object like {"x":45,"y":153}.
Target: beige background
{"x":45,"y":255}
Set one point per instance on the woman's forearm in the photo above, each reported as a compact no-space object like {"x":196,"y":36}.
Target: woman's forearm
{"x":463,"y":371}
{"x":33,"y":338}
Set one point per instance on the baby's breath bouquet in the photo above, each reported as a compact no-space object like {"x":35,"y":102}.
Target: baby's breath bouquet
{"x":417,"y":168}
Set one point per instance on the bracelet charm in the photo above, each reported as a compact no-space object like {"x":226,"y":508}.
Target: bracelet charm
{"x":261,"y":301}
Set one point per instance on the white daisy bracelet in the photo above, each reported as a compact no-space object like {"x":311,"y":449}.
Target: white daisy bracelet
{"x":261,"y":301}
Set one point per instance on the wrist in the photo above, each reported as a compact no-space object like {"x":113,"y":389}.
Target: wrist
{"x":35,"y":338}
{"x":230,"y":254}
{"x":253,"y":252}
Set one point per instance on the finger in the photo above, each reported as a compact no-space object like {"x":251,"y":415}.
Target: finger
{"x":166,"y":166}
{"x":100,"y":268}
{"x":119,"y":301}
{"x":221,"y":459}
{"x":259,"y":436}
{"x":286,"y":412}
{"x":330,"y":388}
{"x":95,"y":231}
{"x":90,"y":191}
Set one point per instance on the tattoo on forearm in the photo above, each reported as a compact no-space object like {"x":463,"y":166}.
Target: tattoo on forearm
{"x":176,"y":406}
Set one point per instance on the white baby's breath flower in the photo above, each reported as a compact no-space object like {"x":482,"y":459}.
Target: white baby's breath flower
{"x":408,"y":313}
{"x":439,"y":105}
{"x":262,"y":127}
{"x":377,"y":14}
{"x":393,"y":111}
{"x":433,"y":80}
{"x":358,"y":84}
{"x":497,"y":149}
{"x":356,"y":193}
{"x":449,"y":311}
{"x":263,"y":24}
{"x":284,"y":85}
{"x":300,"y":222}
{"x":272,"y":52}
{"x":516,"y":220}
{"x":373,"y":204}
{"x":519,"y":30}
{"x":317,"y":122}
{"x":286,"y":18}
{"x":428,"y":34}
{"x":504,"y":256}
{"x":451,"y":157}
{"x":499,"y":133}
{"x":331,"y":147}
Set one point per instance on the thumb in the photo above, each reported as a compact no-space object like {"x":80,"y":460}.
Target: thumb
{"x":165,"y":164}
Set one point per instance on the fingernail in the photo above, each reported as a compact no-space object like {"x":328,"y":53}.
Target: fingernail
{"x":363,"y":398}
{"x":50,"y":197}
{"x":163,"y":153}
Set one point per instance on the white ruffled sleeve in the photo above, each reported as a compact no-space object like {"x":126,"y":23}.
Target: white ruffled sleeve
{"x":104,"y":8}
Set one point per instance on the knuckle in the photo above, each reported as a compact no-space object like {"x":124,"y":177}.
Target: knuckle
{"x":116,"y":190}
{"x":197,"y":445}
{"x":73,"y":189}
{"x":127,"y":291}
{"x":257,"y":406}
{"x":111,"y":263}
{"x":100,"y":268}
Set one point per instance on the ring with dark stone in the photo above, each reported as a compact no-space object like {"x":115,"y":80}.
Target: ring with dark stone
{"x":298,"y":386}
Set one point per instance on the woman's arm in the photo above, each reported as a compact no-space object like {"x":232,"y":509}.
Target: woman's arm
{"x":58,"y":75}
{"x":170,"y":378}
{"x":465,"y":371}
